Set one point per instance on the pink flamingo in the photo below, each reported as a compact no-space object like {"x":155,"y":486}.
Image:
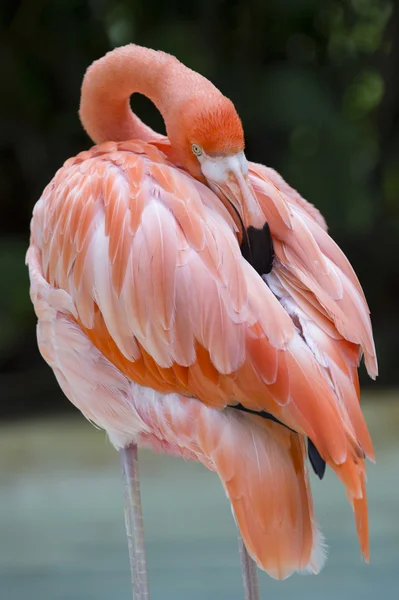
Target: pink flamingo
{"x":193,"y":302}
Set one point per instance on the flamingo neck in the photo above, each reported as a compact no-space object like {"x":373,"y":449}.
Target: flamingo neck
{"x":177,"y":92}
{"x":107,"y":86}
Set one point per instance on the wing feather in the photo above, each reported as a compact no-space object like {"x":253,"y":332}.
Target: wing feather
{"x":273,"y":506}
{"x":175,"y":307}
{"x":312,"y":264}
{"x":320,"y":291}
{"x":141,"y":278}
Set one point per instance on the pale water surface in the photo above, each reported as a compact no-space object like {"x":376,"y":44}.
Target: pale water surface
{"x":62,"y":527}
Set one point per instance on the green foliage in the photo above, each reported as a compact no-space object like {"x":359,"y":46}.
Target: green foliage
{"x":15,"y":307}
{"x":316,"y":84}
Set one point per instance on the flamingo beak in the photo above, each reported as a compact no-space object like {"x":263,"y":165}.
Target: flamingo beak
{"x":228,"y":176}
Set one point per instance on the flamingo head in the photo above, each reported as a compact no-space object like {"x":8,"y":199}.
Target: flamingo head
{"x":212,"y":150}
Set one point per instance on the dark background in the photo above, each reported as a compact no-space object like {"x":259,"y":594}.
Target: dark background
{"x":315,"y":82}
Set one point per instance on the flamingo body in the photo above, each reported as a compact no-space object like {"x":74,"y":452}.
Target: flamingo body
{"x":156,"y":327}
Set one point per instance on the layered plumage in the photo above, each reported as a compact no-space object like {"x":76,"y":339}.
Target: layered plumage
{"x":155,"y":326}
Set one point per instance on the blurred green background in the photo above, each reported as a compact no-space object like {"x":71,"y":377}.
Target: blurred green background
{"x":316,"y":84}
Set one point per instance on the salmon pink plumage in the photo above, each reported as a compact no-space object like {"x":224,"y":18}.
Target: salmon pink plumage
{"x":163,"y":334}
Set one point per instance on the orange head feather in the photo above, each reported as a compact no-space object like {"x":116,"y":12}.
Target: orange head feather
{"x":210,"y":120}
{"x":217,"y":128}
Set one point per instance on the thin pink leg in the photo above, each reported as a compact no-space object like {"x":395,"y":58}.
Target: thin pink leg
{"x":249,"y":573}
{"x":134,"y":522}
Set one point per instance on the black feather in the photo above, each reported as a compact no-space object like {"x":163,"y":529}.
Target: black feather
{"x":261,"y":413}
{"x":257,"y":248}
{"x":317,"y":462}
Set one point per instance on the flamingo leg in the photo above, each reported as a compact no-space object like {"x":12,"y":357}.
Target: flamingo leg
{"x":134,"y":522}
{"x":249,"y":573}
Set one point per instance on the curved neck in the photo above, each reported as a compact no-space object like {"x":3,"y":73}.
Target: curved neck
{"x":105,"y":110}
{"x":177,"y":92}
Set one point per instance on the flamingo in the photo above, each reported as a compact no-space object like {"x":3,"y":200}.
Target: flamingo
{"x":194,"y":303}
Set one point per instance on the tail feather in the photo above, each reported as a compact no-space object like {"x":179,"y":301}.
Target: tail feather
{"x":353,"y":475}
{"x":262,"y":468}
{"x":361,"y":517}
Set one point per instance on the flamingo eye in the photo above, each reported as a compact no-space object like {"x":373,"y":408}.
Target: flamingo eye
{"x":197,"y":150}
